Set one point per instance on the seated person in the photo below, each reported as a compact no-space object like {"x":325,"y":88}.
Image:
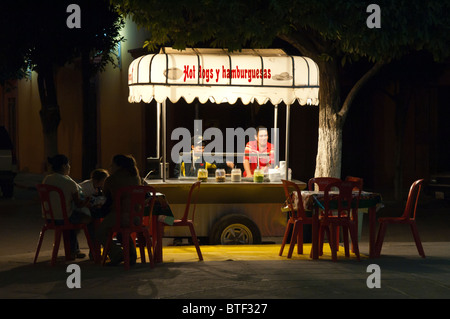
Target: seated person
{"x":76,"y":208}
{"x":93,"y":188}
{"x":124,"y":172}
{"x":260,"y":145}
{"x":185,"y":169}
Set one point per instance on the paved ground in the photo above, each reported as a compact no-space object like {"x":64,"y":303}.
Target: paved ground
{"x":403,"y":274}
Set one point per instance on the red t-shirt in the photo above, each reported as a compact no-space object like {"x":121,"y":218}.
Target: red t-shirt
{"x":251,"y":150}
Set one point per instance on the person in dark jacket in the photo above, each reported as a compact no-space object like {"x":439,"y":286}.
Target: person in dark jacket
{"x":197,"y":160}
{"x":124,"y":172}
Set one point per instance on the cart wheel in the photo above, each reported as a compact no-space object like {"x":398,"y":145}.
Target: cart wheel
{"x":235,"y":229}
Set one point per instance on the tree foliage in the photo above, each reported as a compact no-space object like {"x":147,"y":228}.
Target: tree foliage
{"x":51,"y":41}
{"x":35,"y":36}
{"x":323,"y":28}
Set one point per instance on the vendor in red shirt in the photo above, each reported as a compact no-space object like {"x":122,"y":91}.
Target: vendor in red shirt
{"x":253,"y":148}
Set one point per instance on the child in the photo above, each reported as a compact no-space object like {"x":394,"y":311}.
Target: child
{"x":93,"y":187}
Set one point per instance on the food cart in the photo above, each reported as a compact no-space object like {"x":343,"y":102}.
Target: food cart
{"x":227,"y":212}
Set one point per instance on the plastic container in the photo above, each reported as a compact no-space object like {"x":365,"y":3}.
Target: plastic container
{"x":202,"y":175}
{"x":220,"y":175}
{"x":258,"y":176}
{"x":236,"y":175}
{"x":274,"y":175}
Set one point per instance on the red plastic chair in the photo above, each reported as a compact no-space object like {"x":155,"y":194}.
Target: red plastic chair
{"x":132,"y":200}
{"x":347,"y":209}
{"x":355,"y":179}
{"x":184,"y":221}
{"x":361,"y":183}
{"x":44,"y":191}
{"x":297,"y":218}
{"x":408,"y":217}
{"x":321,"y":182}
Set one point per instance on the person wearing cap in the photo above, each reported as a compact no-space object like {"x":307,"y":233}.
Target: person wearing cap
{"x":190,"y":168}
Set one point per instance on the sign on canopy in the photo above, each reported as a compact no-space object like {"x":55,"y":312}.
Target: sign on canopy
{"x":219,"y":76}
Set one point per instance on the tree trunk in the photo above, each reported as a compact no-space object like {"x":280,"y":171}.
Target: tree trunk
{"x":89,"y":139}
{"x":329,"y":148}
{"x":332,"y":113}
{"x":402,"y":99}
{"x":49,"y":113}
{"x":332,"y":116}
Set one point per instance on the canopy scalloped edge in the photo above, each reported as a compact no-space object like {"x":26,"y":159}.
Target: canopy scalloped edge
{"x":148,"y":93}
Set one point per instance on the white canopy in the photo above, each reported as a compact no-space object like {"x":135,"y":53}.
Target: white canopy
{"x":220,"y":76}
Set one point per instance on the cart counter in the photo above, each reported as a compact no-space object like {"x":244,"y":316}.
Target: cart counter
{"x":228,"y":212}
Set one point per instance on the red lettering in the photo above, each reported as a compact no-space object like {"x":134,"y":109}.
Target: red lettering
{"x":188,"y":72}
{"x":205,"y":73}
